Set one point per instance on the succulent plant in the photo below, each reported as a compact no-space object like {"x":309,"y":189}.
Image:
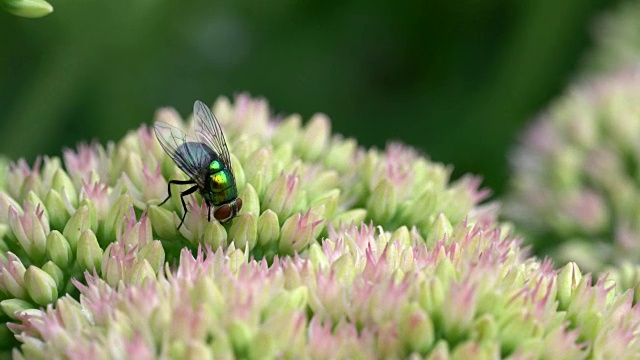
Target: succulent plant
{"x":337,"y":252}
{"x":576,"y":185}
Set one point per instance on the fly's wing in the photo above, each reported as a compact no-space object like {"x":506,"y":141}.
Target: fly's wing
{"x":172,"y":140}
{"x":209,"y":132}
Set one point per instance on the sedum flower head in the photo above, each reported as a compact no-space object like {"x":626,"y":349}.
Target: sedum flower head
{"x":576,"y":184}
{"x":338,"y":252}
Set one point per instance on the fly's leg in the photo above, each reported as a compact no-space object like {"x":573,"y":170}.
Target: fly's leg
{"x":208,"y":212}
{"x":176,"y":182}
{"x":189,"y":191}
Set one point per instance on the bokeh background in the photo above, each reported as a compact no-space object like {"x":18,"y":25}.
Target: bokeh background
{"x":457,"y":80}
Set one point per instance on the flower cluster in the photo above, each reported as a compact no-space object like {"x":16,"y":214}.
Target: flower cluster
{"x":617,"y":39}
{"x":576,"y":186}
{"x":361,"y":292}
{"x":101,"y":214}
{"x":92,"y":267}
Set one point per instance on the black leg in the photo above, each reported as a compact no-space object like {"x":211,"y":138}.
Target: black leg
{"x":176,"y":182}
{"x":209,"y":208}
{"x":189,"y":191}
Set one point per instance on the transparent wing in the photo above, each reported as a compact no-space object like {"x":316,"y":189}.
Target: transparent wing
{"x":208,"y":131}
{"x":189,"y":160}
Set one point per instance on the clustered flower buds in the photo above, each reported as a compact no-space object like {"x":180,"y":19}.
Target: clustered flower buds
{"x":337,"y":252}
{"x":616,"y":36}
{"x":361,"y":292}
{"x":576,"y":186}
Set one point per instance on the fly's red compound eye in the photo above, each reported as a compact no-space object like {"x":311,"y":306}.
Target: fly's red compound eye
{"x":223,"y":213}
{"x":238,"y":204}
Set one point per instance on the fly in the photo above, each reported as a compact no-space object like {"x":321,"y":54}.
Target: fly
{"x":206,"y":162}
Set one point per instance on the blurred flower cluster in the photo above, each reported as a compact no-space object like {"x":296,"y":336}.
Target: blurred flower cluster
{"x":576,"y":185}
{"x":617,"y":40}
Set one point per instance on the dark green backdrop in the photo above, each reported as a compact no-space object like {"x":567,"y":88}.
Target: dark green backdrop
{"x":455,"y":79}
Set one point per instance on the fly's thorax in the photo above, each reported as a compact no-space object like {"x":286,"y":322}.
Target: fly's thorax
{"x":222,"y":186}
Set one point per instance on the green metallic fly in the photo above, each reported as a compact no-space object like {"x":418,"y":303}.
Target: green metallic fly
{"x":206,"y":162}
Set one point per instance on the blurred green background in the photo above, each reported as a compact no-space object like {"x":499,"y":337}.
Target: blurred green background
{"x":457,"y":80}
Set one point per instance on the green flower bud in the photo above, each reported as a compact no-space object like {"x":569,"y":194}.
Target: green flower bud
{"x":27,"y":8}
{"x":317,"y":256}
{"x":485,"y":328}
{"x":289,"y":129}
{"x":237,"y":258}
{"x":215,"y":235}
{"x":12,"y":277}
{"x":330,"y":202}
{"x":31,"y":183}
{"x":568,"y":279}
{"x":417,"y":328}
{"x":283,"y":155}
{"x":33,"y":201}
{"x":402,"y":235}
{"x":63,"y":185}
{"x":112,"y":270}
{"x":205,"y":291}
{"x":460,"y":202}
{"x":351,"y":217}
{"x":287,"y":301}
{"x":383,"y":202}
{"x":89,"y":253}
{"x":344,"y":268}
{"x":340,"y":155}
{"x":268,"y":228}
{"x":59,"y":209}
{"x":518,"y":326}
{"x":13,"y":306}
{"x":244,"y":231}
{"x":259,"y":182}
{"x":153,"y":252}
{"x":240,"y":334}
{"x":55,"y":272}
{"x":141,"y":271}
{"x":31,"y":230}
{"x":298,"y":232}
{"x":79,"y":222}
{"x":432,"y":295}
{"x":315,"y":137}
{"x":282,"y":194}
{"x":164,"y":222}
{"x":250,"y":200}
{"x":115,"y":217}
{"x":259,"y":169}
{"x":6,"y":203}
{"x":132,"y":166}
{"x":238,"y":173}
{"x":58,"y":249}
{"x":42,"y":288}
{"x":421,"y":209}
{"x":441,"y":229}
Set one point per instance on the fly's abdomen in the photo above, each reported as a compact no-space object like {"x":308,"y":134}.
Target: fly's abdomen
{"x":223,"y":187}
